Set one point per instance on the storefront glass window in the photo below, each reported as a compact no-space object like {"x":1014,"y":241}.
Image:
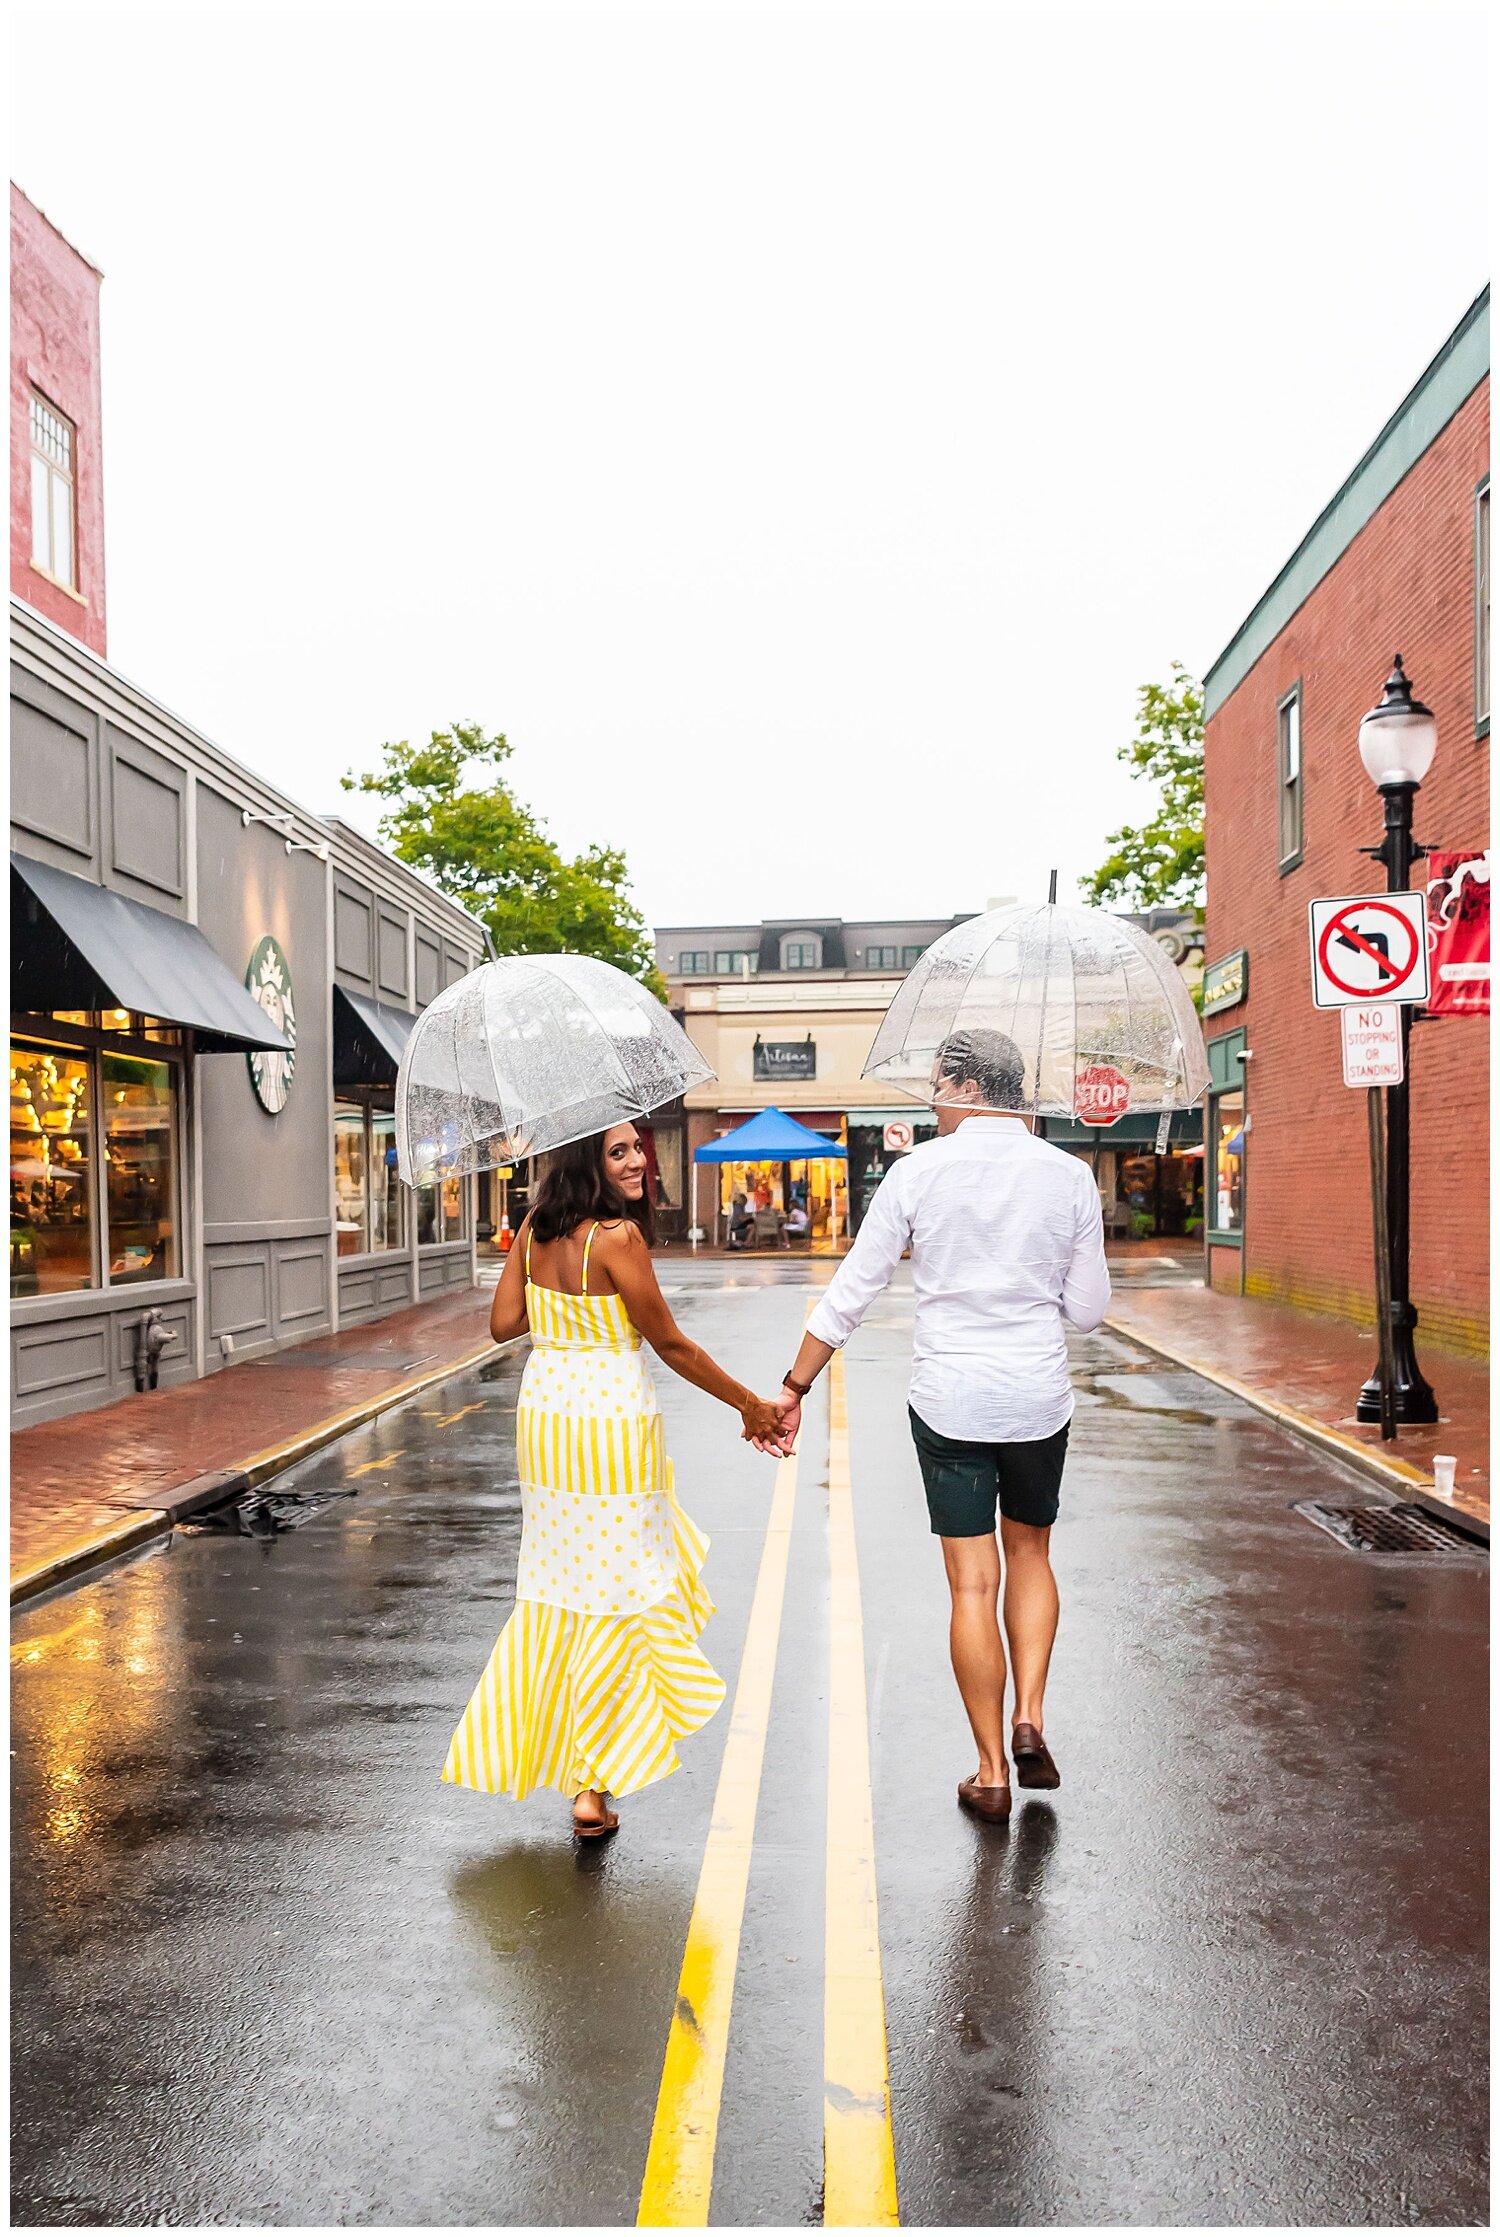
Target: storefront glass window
{"x":670,"y":1187}
{"x":139,"y":1167}
{"x":387,"y":1228}
{"x":1227,"y":1138}
{"x":453,"y":1211}
{"x":349,"y":1189}
{"x":429,"y":1216}
{"x":367,"y":1194}
{"x":51,"y":1180}
{"x":782,"y":1194}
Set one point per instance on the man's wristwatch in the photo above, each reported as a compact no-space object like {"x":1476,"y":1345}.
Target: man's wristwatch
{"x":790,"y":1382}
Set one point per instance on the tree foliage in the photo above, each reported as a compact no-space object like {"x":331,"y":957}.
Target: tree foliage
{"x":450,"y":813}
{"x":1161,"y":861}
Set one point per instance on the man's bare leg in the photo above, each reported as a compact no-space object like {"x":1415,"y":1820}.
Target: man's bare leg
{"x":973,"y":1566}
{"x":1030,"y":1614}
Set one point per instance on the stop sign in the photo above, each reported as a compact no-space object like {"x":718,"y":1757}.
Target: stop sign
{"x":1100,"y":1095}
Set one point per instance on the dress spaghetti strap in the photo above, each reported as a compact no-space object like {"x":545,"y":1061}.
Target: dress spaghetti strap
{"x":528,"y":1254}
{"x":588,"y":1246}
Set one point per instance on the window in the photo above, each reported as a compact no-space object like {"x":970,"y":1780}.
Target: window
{"x":440,"y":1212}
{"x":368,"y":1214}
{"x":693,"y":961}
{"x":52,"y":446}
{"x":94,"y":1133}
{"x":801,"y":955}
{"x":138,"y":1113}
{"x":737,"y":960}
{"x":1482,"y":607}
{"x":880,"y":959}
{"x":1227,"y":1148}
{"x":51,"y":1172}
{"x":909,"y":956}
{"x":1289,"y":775}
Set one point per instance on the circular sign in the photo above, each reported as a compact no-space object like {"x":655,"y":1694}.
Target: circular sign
{"x":1384,"y":953}
{"x":1100,"y":1095}
{"x":899,"y":1134}
{"x":269,"y":979}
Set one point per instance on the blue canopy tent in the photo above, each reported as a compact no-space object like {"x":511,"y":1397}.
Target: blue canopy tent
{"x":770,"y":1138}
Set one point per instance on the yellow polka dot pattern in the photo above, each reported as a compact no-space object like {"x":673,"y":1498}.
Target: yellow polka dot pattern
{"x":598,"y":1673}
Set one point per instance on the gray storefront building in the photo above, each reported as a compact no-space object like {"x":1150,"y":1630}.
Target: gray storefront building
{"x":211,"y":988}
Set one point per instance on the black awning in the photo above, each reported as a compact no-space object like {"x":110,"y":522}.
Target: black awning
{"x":368,"y":1038}
{"x":77,"y":946}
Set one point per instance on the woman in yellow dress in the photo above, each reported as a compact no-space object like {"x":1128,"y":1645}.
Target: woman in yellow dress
{"x":598,"y":1674}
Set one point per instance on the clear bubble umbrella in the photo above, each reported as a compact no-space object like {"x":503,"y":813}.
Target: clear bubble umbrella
{"x":530,"y":1052}
{"x":1100,"y":1013}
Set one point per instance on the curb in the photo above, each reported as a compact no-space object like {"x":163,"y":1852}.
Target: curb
{"x":1391,"y":1475}
{"x":200,"y":1492}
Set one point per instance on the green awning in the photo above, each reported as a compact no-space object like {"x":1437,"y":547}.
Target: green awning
{"x":1137,"y":1130}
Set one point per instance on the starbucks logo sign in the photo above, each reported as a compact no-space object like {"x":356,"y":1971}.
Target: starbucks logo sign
{"x":269,"y":979}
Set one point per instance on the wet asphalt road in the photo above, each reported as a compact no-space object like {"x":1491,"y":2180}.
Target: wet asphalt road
{"x":268,"y":1970}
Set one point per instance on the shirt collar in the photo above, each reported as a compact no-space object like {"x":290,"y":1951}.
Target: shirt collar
{"x":991,"y":1125}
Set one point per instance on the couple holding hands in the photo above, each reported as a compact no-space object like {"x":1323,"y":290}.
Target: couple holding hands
{"x":598,"y":1673}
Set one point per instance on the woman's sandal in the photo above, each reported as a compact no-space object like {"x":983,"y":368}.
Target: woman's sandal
{"x":595,"y":1829}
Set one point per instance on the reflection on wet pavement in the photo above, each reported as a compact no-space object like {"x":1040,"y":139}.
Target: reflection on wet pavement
{"x":269,"y":1970}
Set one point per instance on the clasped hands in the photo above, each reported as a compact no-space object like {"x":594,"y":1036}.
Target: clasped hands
{"x":771,"y":1424}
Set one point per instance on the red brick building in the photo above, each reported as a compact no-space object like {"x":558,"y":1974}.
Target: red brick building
{"x":56,"y":436}
{"x":1398,"y":562}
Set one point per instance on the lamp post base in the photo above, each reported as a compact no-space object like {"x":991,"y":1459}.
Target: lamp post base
{"x":1415,"y":1402}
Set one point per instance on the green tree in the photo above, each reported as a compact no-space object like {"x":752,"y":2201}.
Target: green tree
{"x":1161,"y":860}
{"x":450,"y":813}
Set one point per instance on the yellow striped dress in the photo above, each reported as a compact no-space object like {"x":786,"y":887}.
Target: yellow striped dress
{"x":598,"y":1674}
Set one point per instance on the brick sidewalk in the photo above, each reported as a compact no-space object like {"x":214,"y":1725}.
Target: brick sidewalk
{"x":84,"y":1474}
{"x":1315,"y":1366}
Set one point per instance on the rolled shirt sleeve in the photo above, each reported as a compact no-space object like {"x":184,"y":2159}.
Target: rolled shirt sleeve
{"x":874,"y":1255}
{"x":1086,"y":1291}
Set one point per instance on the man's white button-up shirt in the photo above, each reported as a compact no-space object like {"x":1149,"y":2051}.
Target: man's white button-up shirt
{"x":1007,"y":1243}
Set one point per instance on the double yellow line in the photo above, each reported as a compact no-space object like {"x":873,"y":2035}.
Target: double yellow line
{"x":859,"y":2158}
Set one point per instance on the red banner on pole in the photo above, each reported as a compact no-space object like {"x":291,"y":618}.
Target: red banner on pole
{"x":1458,"y":933}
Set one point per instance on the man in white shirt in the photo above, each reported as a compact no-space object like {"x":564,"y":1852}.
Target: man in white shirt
{"x":1007,"y":1244}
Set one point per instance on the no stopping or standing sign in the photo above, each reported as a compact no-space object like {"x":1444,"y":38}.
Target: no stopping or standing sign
{"x":1374,"y":1055}
{"x":1367,"y":948}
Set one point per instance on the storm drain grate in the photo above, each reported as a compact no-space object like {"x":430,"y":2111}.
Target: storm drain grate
{"x":1399,"y":1529}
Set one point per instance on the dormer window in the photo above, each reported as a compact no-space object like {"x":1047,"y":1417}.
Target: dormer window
{"x":802,"y":952}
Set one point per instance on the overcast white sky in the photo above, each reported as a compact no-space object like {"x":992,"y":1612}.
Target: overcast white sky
{"x":799,"y":431}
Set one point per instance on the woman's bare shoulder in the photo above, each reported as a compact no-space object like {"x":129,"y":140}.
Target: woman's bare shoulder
{"x":620,"y":1242}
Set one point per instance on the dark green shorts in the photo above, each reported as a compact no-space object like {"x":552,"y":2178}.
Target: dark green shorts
{"x":965,"y":1482}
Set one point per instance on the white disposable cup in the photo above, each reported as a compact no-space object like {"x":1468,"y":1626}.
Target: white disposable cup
{"x":1443,"y":1466}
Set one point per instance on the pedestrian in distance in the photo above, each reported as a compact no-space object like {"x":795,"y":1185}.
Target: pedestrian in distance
{"x":1007,"y":1246}
{"x":598,"y":1673}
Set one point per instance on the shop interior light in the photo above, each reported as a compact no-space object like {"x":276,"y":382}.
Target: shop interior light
{"x":1398,"y":739}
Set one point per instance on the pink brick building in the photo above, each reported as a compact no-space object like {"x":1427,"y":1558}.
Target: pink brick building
{"x":56,"y":438}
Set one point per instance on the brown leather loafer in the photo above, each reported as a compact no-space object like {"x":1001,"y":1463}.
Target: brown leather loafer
{"x":1033,"y":1758}
{"x":990,"y":1802}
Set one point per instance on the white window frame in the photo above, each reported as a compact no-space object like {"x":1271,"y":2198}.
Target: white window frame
{"x":1482,"y":608}
{"x":1290,"y":783}
{"x":53,"y":472}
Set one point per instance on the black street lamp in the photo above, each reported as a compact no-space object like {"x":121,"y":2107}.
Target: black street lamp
{"x":1397,"y":741}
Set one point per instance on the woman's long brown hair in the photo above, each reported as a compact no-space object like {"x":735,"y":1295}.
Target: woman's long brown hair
{"x":575,"y":1187}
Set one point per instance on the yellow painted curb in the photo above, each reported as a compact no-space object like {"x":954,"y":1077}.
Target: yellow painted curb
{"x":1398,"y":1474}
{"x":89,"y":1551}
{"x":103,"y":1545}
{"x":277,"y":1458}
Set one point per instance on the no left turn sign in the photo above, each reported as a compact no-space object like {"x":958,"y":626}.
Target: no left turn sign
{"x":1369,"y":948}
